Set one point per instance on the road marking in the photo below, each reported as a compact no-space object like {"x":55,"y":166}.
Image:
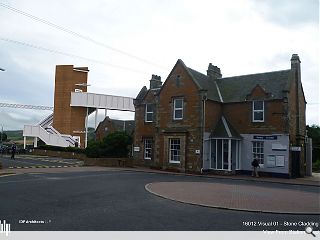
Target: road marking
{"x":8,"y":174}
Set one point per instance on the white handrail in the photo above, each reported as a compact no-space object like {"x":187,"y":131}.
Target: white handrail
{"x":49,"y":139}
{"x":47,"y":121}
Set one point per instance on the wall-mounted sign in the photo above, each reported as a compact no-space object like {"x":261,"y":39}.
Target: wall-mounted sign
{"x":261,"y":137}
{"x":280,"y":161}
{"x":295,"y":149}
{"x":279,"y":147}
{"x":271,"y":161}
{"x":136,"y":149}
{"x":275,"y":161}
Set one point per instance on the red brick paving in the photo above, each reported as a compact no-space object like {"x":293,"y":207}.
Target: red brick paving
{"x":240,"y":197}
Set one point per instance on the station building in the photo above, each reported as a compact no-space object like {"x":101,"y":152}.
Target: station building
{"x":195,"y":122}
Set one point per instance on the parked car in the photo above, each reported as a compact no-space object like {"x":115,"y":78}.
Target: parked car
{"x":4,"y":149}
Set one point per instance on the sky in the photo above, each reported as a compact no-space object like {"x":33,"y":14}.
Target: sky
{"x":124,"y":42}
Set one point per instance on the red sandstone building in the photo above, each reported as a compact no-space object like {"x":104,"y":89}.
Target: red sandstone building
{"x":109,"y":125}
{"x":195,"y":122}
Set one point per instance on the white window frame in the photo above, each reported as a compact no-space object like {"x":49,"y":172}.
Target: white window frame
{"x":172,"y":149}
{"x":148,"y":112}
{"x":256,"y":153}
{"x":257,"y":111}
{"x":177,"y":109}
{"x":147,"y":146}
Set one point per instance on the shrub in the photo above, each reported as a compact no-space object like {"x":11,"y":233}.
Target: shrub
{"x":94,"y":149}
{"x":316,"y":166}
{"x":113,"y":145}
{"x":61,"y":149}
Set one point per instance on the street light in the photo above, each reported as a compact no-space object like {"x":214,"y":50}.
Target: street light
{"x":2,"y":69}
{"x":1,"y":135}
{"x":1,"y":141}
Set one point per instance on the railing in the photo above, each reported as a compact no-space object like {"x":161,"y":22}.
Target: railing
{"x":48,"y":134}
{"x":69,"y":139}
{"x":47,"y":121}
{"x":49,"y":139}
{"x":52,"y":130}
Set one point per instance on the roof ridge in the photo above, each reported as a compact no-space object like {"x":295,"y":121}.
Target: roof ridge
{"x":253,"y":74}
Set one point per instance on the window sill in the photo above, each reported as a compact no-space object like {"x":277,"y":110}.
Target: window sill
{"x":174,"y":162}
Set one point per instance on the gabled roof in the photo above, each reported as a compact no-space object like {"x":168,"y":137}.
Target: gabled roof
{"x":205,"y":84}
{"x":224,"y":129}
{"x":127,"y":125}
{"x":143,"y":92}
{"x":236,"y":89}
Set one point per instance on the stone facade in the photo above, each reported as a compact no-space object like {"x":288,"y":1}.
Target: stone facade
{"x":109,"y":125}
{"x":210,"y":122}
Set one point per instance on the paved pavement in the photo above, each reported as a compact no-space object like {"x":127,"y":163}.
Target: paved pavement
{"x":258,"y":198}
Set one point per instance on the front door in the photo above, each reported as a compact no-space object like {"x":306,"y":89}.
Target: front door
{"x":220,"y":154}
{"x":295,"y":164}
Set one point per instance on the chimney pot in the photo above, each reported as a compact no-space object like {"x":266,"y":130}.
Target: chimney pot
{"x":155,"y":82}
{"x":295,"y":61}
{"x":213,"y":72}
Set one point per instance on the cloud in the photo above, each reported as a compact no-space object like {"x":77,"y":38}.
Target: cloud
{"x":241,"y":37}
{"x":15,"y":119}
{"x":289,"y":13}
{"x":21,"y":84}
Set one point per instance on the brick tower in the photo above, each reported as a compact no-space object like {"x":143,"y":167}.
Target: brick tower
{"x":66,"y":119}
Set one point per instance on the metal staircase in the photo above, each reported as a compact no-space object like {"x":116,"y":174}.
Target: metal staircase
{"x":48,"y":134}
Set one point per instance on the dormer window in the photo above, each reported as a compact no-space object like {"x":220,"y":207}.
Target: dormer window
{"x":258,"y":111}
{"x":149,"y":113}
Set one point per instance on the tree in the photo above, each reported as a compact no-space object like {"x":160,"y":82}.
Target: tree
{"x":115,"y":144}
{"x":314,"y":133}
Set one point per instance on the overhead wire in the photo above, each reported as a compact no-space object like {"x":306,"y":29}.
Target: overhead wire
{"x":68,"y":54}
{"x":87,"y":38}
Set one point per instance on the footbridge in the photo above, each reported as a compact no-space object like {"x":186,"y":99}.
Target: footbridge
{"x":91,"y":102}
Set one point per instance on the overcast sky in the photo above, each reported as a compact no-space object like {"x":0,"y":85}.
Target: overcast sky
{"x":129,"y":40}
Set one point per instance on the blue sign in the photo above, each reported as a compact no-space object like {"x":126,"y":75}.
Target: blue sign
{"x":265,"y":137}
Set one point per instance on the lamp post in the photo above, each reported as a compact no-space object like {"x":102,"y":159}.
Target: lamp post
{"x":1,"y":140}
{"x":2,"y":70}
{"x":1,"y":135}
{"x":87,"y":113}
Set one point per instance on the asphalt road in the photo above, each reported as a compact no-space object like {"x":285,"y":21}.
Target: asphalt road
{"x":117,"y":201}
{"x":29,"y":161}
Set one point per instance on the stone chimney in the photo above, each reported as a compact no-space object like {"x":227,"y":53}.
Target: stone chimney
{"x":213,"y":72}
{"x":155,"y":82}
{"x":295,"y":61}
